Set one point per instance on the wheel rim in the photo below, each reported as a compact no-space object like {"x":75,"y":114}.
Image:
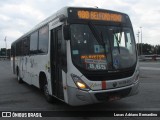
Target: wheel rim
{"x":46,"y":92}
{"x":18,"y":78}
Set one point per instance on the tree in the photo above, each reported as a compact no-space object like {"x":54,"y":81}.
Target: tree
{"x":3,"y":51}
{"x":157,"y":49}
{"x":147,"y":49}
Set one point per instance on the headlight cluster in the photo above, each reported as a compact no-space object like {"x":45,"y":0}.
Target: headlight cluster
{"x":80,"y":83}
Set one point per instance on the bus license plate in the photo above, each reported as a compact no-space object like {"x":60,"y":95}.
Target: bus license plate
{"x":112,"y":98}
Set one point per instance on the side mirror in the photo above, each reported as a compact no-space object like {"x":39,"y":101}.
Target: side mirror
{"x":66,"y":32}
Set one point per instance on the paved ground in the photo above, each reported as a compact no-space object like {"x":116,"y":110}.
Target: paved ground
{"x":14,"y":96}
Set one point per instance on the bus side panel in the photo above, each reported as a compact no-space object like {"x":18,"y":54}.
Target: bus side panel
{"x":25,"y":70}
{"x":39,"y":64}
{"x":31,"y":66}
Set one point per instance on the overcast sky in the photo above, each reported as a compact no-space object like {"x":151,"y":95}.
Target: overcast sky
{"x":19,"y":16}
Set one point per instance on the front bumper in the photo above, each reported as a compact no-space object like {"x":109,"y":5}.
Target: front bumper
{"x":78,"y":97}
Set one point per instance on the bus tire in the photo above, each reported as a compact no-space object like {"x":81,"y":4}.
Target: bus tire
{"x":48,"y":97}
{"x":44,"y":87}
{"x":19,"y":79}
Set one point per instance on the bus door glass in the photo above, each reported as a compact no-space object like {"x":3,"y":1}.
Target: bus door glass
{"x":56,"y":65}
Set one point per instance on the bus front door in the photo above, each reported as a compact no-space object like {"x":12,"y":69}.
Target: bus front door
{"x":56,"y":68}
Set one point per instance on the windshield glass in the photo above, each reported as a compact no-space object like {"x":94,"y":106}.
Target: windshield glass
{"x":117,"y":52}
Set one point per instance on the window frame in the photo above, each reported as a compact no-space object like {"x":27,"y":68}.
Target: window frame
{"x":39,"y":37}
{"x":36,"y":43}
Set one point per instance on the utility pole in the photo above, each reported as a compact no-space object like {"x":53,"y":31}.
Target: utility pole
{"x":141,"y":42}
{"x":5,"y":39}
{"x":138,"y":41}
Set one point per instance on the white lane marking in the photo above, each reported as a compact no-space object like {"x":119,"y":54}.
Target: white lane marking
{"x":149,"y":68}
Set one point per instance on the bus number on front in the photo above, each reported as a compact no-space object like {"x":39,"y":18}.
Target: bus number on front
{"x":92,"y":66}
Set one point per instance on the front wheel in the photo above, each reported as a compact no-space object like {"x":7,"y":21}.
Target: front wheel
{"x":48,"y":97}
{"x":19,"y":79}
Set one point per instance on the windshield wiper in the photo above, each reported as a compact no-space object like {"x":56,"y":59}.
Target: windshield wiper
{"x":118,"y":40}
{"x":96,"y":34}
{"x":99,"y":37}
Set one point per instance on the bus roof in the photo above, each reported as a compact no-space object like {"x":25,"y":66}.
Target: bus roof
{"x":58,"y":14}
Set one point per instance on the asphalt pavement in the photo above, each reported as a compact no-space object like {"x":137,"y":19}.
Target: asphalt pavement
{"x":23,"y":97}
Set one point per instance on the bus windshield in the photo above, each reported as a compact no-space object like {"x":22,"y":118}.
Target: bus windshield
{"x":117,"y":52}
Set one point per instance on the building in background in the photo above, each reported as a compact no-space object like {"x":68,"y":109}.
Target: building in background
{"x":3,"y":53}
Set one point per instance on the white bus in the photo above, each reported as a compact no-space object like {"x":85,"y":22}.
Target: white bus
{"x":79,"y":56}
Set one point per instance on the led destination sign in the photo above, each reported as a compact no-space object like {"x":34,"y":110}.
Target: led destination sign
{"x":96,"y":57}
{"x":96,"y":15}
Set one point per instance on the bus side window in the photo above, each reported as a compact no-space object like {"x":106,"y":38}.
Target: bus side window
{"x":34,"y":43}
{"x":43,"y":39}
{"x":25,"y":46}
{"x":18,"y":48}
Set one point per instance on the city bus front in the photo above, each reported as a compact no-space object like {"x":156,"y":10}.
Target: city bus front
{"x":101,"y":56}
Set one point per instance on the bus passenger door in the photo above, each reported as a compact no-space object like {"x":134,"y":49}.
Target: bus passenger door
{"x":56,"y":66}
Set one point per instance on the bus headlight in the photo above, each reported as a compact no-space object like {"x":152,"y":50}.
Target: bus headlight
{"x":81,"y":85}
{"x":79,"y":82}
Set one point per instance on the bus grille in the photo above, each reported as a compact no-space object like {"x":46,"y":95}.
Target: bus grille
{"x":105,"y":95}
{"x":109,"y":76}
